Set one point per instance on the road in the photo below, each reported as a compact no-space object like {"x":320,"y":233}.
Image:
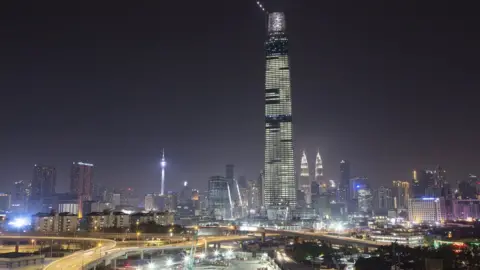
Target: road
{"x":335,"y":238}
{"x":82,"y":258}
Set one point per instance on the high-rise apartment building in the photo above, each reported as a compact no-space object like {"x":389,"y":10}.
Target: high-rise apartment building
{"x":304,"y":181}
{"x":43,"y":182}
{"x":81,"y":183}
{"x":400,"y":194}
{"x":279,"y":189}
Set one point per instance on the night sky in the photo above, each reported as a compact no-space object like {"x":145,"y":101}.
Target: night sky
{"x":388,"y":85}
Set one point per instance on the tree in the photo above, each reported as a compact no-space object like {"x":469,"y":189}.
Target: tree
{"x":376,"y":263}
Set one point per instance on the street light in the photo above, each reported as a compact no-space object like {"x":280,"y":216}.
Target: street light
{"x":138,"y":235}
{"x":216,"y":253}
{"x":169,"y":262}
{"x":151,"y":265}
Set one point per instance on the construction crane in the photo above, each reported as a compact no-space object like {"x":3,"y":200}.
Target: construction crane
{"x":190,"y":262}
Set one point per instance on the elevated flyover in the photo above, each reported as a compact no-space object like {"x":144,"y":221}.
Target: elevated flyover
{"x":106,"y":255}
{"x":334,"y":239}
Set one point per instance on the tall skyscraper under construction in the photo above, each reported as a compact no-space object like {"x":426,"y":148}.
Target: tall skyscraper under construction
{"x":279,"y":185}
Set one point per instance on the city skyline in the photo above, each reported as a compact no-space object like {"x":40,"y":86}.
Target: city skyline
{"x":366,"y":95}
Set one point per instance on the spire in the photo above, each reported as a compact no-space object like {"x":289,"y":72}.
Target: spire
{"x":318,"y":165}
{"x":304,"y":165}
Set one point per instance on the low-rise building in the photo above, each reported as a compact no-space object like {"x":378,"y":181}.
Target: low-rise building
{"x":160,"y":218}
{"x":54,"y":222}
{"x":97,"y":221}
{"x":408,"y":239}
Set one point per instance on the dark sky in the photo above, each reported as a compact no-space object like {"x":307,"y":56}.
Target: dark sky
{"x":388,"y":85}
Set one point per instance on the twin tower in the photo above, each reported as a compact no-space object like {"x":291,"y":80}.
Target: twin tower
{"x":305,"y":182}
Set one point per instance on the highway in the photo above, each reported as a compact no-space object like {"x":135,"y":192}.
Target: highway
{"x":334,"y":238}
{"x":87,"y":258}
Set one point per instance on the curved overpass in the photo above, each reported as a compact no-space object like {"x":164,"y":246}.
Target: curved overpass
{"x":107,"y":251}
{"x":80,"y":257}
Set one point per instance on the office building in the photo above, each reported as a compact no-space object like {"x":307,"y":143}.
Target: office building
{"x":425,"y":184}
{"x":5,"y":202}
{"x":158,"y":202}
{"x":116,"y":199}
{"x":319,"y":169}
{"x":343,"y":187}
{"x":43,"y":182}
{"x":81,"y":183}
{"x":254,"y":196}
{"x":219,"y":202}
{"x":304,"y":182}
{"x":19,"y":197}
{"x":466,"y":209}
{"x":468,"y":188}
{"x":364,"y":199}
{"x":417,"y":191}
{"x":150,"y":204}
{"x":279,"y":189}
{"x":321,"y":204}
{"x":400,"y":194}
{"x":53,"y":223}
{"x":355,"y":184}
{"x":242,"y":181}
{"x":230,"y":173}
{"x":426,"y":210}
{"x":185,"y":195}
{"x":382,"y":200}
{"x":196,"y":201}
{"x":68,"y":207}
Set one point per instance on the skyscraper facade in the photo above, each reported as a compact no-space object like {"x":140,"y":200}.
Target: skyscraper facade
{"x":319,"y":170}
{"x":43,"y":182}
{"x":400,"y":194}
{"x":382,"y":200}
{"x":343,"y":187}
{"x":304,"y":181}
{"x":279,"y":185}
{"x":81,"y":183}
{"x":219,"y":203}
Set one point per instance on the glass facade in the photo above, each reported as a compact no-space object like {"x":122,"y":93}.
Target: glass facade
{"x":279,"y":182}
{"x":218,"y":199}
